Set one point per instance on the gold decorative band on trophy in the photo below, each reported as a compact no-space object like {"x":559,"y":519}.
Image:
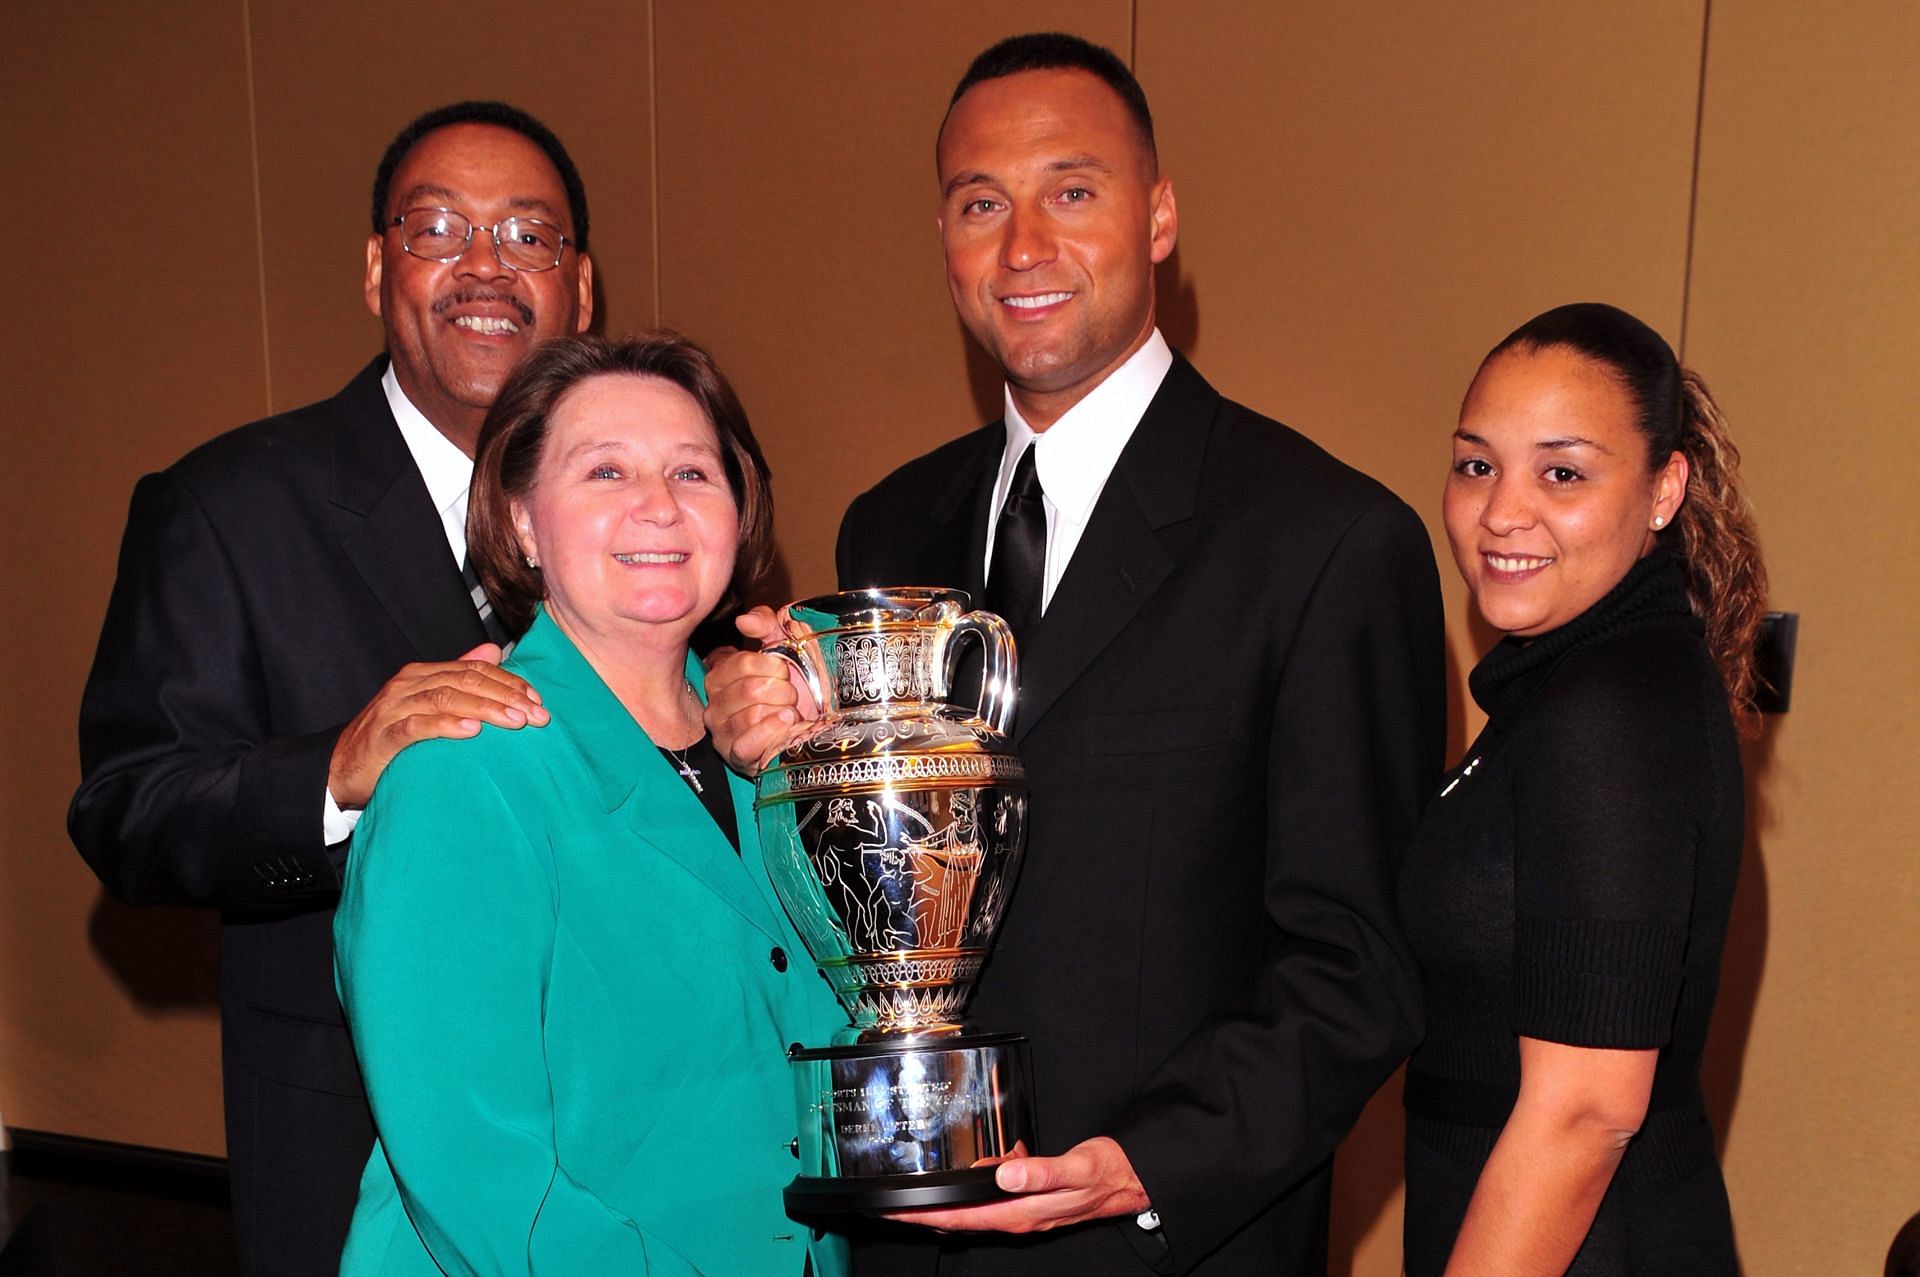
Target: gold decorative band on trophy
{"x":923,"y":769}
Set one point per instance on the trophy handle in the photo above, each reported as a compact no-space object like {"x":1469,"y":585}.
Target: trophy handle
{"x":999,"y":671}
{"x":798,"y":659}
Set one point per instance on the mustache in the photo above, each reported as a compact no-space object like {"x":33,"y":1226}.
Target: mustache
{"x":469,"y":296}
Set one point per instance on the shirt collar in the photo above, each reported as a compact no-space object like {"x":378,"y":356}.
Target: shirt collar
{"x":446,"y":469}
{"x":1074,"y":456}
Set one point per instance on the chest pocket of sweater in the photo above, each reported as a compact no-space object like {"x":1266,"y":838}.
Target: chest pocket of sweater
{"x":1174,"y":730}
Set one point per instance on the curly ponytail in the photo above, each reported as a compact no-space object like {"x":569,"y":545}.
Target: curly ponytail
{"x":1726,"y":578}
{"x":1713,"y":532}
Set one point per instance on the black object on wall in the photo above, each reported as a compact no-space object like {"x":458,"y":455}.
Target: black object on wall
{"x":1774,"y":660}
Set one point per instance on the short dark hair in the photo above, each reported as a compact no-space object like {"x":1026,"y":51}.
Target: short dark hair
{"x":507,"y":457}
{"x":500,"y":115}
{"x":1058,"y":51}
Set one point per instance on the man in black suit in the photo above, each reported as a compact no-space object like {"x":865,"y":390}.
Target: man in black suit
{"x":1231,"y":709}
{"x":291,"y":611}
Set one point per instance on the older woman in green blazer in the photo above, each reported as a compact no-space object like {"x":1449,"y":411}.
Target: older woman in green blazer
{"x":569,"y":982}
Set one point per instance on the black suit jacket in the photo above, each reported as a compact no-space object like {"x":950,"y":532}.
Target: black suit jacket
{"x":1230,"y":716}
{"x":269,"y":583}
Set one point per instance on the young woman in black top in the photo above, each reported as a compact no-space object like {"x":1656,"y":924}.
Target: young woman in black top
{"x":1568,"y":891}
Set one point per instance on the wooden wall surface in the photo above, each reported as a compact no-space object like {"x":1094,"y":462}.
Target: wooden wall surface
{"x":1371,"y":195}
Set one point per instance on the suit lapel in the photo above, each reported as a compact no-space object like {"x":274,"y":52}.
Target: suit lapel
{"x":1122,"y":559}
{"x":960,"y":545}
{"x":395,"y":540}
{"x":953,"y":550}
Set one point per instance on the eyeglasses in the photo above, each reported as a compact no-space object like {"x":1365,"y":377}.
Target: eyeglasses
{"x":519,"y":243}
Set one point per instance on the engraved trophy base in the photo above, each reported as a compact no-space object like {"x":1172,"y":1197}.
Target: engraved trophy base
{"x":895,"y":1125}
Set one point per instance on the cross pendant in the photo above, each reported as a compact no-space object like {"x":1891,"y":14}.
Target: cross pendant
{"x":691,"y":775}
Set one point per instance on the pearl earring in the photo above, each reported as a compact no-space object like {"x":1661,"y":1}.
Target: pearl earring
{"x":533,"y":563}
{"x":1659,"y":521}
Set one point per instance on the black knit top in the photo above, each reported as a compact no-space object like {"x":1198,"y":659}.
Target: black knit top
{"x":1571,"y":881}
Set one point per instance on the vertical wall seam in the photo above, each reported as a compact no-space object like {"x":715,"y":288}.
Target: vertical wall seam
{"x":1693,"y":188}
{"x":653,"y":151}
{"x":259,"y":215}
{"x":1133,"y":37}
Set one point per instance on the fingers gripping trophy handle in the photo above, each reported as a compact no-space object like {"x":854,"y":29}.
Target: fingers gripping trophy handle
{"x":797,"y":658}
{"x":999,"y":672}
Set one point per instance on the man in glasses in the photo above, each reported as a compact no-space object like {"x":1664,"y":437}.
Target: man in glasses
{"x":292,"y":609}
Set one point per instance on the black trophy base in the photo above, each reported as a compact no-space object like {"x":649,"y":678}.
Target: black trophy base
{"x":881,"y":1194}
{"x":898,"y":1125}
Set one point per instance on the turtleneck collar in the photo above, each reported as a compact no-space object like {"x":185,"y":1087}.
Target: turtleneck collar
{"x":1654,"y":586}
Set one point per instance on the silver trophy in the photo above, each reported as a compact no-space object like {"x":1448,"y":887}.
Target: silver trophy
{"x":892,"y":832}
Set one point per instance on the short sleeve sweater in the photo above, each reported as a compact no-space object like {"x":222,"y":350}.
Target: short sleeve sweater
{"x":1572,"y":878}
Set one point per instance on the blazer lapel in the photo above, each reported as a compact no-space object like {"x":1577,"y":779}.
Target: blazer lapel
{"x":752,"y":855}
{"x":664,"y":814}
{"x":632,"y":784}
{"x":397,"y":543}
{"x":681,"y":827}
{"x":1122,"y":559}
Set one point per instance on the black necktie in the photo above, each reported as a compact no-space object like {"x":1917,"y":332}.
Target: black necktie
{"x":1018,"y":572}
{"x":496,"y":633}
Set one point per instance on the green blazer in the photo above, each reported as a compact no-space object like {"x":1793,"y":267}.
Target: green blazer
{"x":571,"y":1001}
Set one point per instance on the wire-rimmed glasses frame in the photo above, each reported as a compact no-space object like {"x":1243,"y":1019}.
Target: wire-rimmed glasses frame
{"x":525,"y":244}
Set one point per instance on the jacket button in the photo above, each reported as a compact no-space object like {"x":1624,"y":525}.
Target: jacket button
{"x":793,"y":1146}
{"x":779,"y":958}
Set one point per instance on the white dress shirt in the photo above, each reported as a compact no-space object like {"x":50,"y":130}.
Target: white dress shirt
{"x":447,"y":472}
{"x":1075,"y":455}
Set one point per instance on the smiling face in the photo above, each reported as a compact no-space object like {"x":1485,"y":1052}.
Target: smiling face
{"x":1052,"y":220}
{"x":456,"y":329}
{"x":630,"y":516}
{"x":1551,"y":498}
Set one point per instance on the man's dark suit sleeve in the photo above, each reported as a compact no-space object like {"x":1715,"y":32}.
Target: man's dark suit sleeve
{"x":1249,"y":1107}
{"x":185,"y":798}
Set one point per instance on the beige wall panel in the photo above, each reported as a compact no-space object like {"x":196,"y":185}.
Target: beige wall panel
{"x":797,"y":235}
{"x":1371,"y":196}
{"x":333,"y":87}
{"x":131,"y":327}
{"x":1804,"y":318}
